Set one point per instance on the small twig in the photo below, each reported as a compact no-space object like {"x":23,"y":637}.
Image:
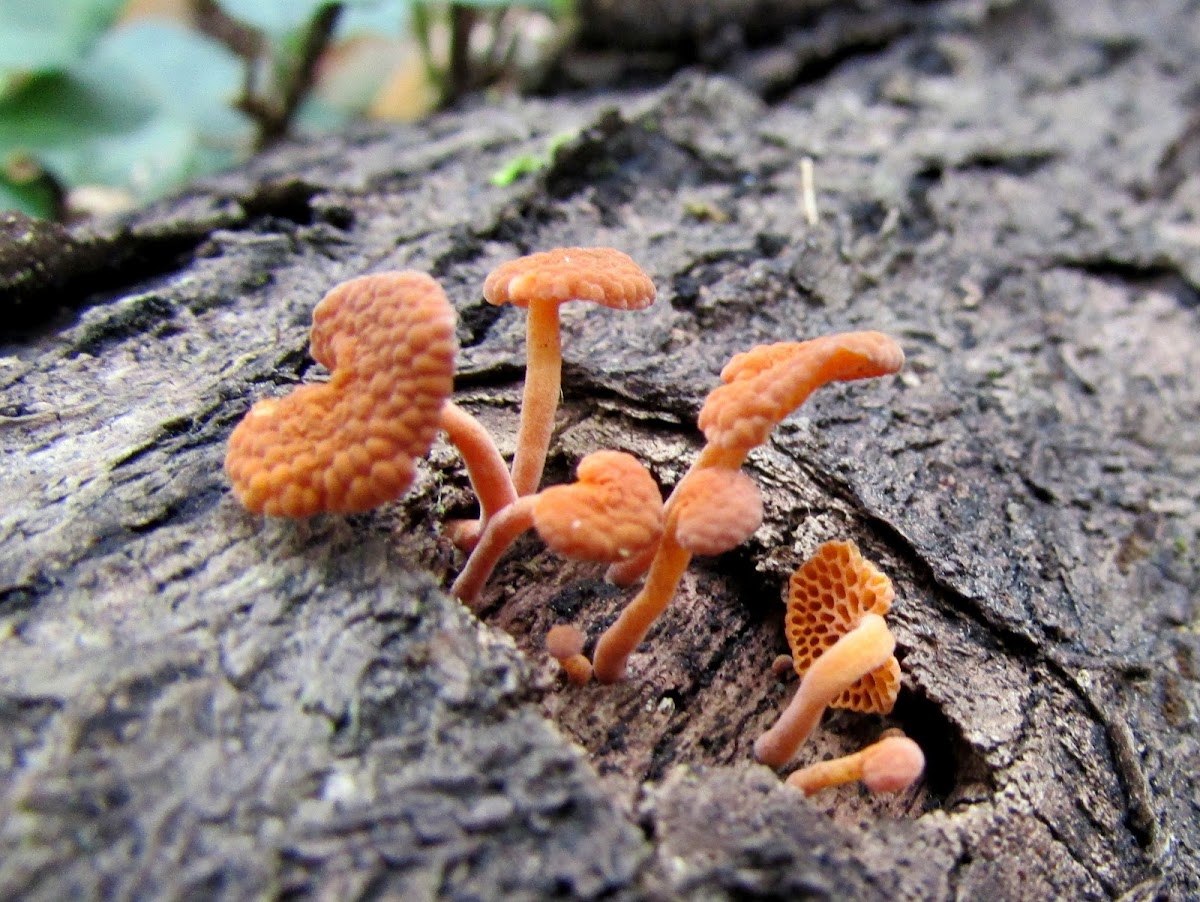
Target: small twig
{"x":808,"y":191}
{"x":462,"y":20}
{"x":422,"y":27}
{"x":316,"y":39}
{"x":272,"y":116}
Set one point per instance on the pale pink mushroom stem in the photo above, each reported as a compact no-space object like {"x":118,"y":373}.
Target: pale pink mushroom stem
{"x":543,"y":382}
{"x":892,"y":764}
{"x":485,"y":467}
{"x":857,"y":653}
{"x":501,"y":531}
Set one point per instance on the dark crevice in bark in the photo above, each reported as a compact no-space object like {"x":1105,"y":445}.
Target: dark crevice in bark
{"x":1138,"y":276}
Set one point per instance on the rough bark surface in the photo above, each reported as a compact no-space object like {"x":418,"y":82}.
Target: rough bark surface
{"x":198,"y":703}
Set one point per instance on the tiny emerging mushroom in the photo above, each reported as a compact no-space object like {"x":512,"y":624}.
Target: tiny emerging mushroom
{"x":892,"y":764}
{"x":541,"y":282}
{"x":716,"y":511}
{"x":349,"y":444}
{"x":565,"y":643}
{"x":610,"y":512}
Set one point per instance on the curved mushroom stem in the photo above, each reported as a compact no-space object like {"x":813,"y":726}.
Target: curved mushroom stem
{"x":485,"y":467}
{"x":856,"y":654}
{"x":892,"y":764}
{"x":626,"y":572}
{"x":502,"y":530}
{"x":543,"y":381}
{"x":620,"y":639}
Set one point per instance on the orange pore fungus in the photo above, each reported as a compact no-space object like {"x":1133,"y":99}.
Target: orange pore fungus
{"x":542,"y":282}
{"x":827,"y":597}
{"x":349,"y":444}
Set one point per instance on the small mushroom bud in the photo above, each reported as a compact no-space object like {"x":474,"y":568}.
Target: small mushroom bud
{"x":892,"y":764}
{"x":565,"y":644}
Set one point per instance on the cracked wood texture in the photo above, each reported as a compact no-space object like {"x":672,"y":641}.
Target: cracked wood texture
{"x":198,"y":703}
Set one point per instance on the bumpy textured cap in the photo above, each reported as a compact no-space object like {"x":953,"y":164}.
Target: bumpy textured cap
{"x":827,"y":597}
{"x":716,"y":509}
{"x":610,"y":513}
{"x":349,"y":444}
{"x":768,"y":382}
{"x":602,"y":275}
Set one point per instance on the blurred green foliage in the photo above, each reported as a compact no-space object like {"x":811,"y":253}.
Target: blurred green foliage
{"x":139,"y":107}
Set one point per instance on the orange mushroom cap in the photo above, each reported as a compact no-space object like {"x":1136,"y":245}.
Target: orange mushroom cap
{"x":602,"y":275}
{"x":716,"y":510}
{"x":349,"y":444}
{"x":765,"y":384}
{"x":827,"y":597}
{"x":613,"y":510}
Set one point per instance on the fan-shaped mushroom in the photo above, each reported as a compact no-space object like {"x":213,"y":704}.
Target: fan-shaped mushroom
{"x":349,"y":444}
{"x":830,"y":596}
{"x":760,"y":388}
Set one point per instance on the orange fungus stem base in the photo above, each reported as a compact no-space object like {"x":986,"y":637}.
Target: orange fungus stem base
{"x":502,"y":530}
{"x":620,"y":639}
{"x":856,"y":654}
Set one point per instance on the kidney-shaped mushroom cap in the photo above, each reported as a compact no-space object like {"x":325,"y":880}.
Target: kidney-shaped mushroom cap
{"x":602,"y":275}
{"x":827,"y":597}
{"x":611,"y":512}
{"x":349,"y":444}
{"x":765,"y":384}
{"x":715,"y":510}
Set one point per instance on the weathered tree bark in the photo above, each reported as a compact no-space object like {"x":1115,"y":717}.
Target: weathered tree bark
{"x":195,"y":702}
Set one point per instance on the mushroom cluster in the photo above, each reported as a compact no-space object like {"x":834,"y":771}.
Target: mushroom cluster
{"x":351,"y":443}
{"x":842,"y":649}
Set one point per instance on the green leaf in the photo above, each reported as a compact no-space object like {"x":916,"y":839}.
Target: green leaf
{"x":32,"y":198}
{"x":148,"y":109}
{"x":42,"y":37}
